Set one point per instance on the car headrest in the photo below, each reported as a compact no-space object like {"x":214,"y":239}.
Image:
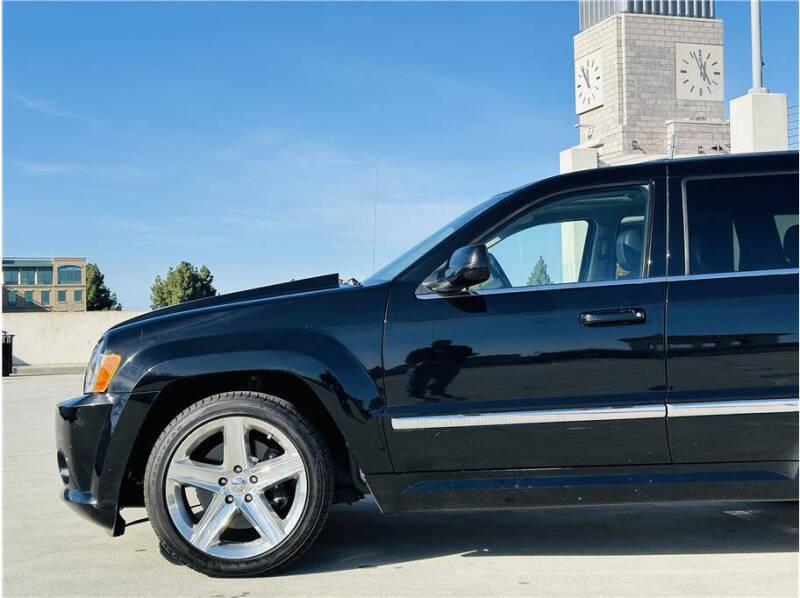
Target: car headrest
{"x":790,"y":245}
{"x":711,"y":245}
{"x":629,"y":250}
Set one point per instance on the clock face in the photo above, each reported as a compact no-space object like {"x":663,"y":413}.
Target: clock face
{"x":588,"y":82}
{"x":698,"y":72}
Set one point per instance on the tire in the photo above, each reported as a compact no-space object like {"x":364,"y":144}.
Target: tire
{"x":222,"y":539}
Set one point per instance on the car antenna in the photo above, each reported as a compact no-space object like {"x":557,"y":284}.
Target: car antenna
{"x":375,"y":212}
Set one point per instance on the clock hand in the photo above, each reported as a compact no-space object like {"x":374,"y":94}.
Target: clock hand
{"x":586,"y":77}
{"x":705,"y":72}
{"x":701,"y":66}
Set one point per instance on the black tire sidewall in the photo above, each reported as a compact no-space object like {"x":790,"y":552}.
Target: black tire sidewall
{"x":288,"y":420}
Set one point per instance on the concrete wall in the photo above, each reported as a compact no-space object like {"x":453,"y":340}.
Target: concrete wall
{"x":759,"y":123}
{"x":59,"y":338}
{"x":689,"y":136}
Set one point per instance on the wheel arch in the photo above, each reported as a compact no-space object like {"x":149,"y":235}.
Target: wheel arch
{"x":181,"y":392}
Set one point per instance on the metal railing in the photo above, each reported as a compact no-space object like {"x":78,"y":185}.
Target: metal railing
{"x":792,"y":113}
{"x":594,"y":11}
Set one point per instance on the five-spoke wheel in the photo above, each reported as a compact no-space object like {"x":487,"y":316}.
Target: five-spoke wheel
{"x":238,"y":484}
{"x":241,"y":486}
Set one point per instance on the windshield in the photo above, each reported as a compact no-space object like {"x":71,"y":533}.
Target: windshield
{"x":396,"y":266}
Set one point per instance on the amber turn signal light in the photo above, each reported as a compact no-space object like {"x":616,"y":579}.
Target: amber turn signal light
{"x":108,"y":367}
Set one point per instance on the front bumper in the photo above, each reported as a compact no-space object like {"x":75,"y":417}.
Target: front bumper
{"x":95,"y":434}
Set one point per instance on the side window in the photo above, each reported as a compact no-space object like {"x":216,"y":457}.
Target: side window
{"x":742,"y":224}
{"x":589,"y":237}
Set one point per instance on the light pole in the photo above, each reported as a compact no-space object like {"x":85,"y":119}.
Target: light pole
{"x":755,"y":41}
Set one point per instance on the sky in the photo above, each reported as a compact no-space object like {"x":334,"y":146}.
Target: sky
{"x":265,"y":140}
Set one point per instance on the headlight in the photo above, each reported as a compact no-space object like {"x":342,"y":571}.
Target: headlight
{"x":101,"y":369}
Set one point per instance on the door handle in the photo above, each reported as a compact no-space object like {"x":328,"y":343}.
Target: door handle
{"x":614,"y":317}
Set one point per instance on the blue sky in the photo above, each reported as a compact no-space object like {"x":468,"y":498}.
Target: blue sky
{"x":245,"y":136}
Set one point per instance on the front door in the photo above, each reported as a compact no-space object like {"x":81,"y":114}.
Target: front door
{"x":557,"y":360}
{"x":732,"y":313}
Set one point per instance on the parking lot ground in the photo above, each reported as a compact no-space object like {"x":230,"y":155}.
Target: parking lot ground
{"x":722,"y":549}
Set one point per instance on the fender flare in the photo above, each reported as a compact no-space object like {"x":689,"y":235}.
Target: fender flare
{"x":346,"y":389}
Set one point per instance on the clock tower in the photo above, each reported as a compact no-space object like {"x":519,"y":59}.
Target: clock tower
{"x":649,"y":82}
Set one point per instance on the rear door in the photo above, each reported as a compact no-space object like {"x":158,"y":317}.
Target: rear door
{"x":732,"y":318}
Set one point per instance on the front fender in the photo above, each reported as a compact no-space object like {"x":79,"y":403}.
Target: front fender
{"x":346,"y":388}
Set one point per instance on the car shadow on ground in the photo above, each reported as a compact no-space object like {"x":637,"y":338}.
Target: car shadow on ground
{"x":358,"y":536}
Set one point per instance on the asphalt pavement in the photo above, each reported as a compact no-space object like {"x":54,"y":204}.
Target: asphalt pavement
{"x":692,"y":549}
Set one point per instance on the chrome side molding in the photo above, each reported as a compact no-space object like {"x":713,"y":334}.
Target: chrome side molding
{"x":542,"y":416}
{"x":550,"y":416}
{"x":741,"y":274}
{"x":732,"y":407}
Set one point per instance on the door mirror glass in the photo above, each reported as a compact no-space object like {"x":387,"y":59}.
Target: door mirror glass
{"x":466,"y":267}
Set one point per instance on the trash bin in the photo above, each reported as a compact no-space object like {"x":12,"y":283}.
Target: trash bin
{"x":8,"y":344}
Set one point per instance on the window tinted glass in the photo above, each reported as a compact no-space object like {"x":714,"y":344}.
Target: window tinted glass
{"x":28,"y":297}
{"x":27,"y":275}
{"x":591,"y":237}
{"x":742,"y":224}
{"x":69,"y":275}
{"x":44,"y":275}
{"x":62,"y":296}
{"x":77,"y":296}
{"x":45,"y":297}
{"x":10,"y":276}
{"x":11,"y":298}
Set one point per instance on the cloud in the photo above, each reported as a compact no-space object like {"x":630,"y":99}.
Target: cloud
{"x":51,"y":108}
{"x":101,"y":172}
{"x":284,"y":192}
{"x":47,"y":107}
{"x":306,"y":206}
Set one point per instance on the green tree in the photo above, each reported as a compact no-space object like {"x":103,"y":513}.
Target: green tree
{"x":183,"y":283}
{"x":539,"y":276}
{"x":98,"y":296}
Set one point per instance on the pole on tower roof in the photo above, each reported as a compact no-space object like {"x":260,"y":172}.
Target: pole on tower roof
{"x":755,"y":41}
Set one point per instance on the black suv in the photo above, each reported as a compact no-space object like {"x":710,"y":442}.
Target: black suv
{"x":617,"y":335}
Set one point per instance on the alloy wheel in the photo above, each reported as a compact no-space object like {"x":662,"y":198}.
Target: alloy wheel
{"x":236,"y":487}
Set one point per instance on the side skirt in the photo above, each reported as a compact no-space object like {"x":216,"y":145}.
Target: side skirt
{"x":563,"y":486}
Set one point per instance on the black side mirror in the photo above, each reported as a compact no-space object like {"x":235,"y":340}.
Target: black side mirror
{"x":467,"y":266}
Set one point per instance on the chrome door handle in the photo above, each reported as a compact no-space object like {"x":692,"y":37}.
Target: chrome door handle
{"x":614,"y":317}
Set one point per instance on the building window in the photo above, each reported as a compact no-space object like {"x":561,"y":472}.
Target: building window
{"x":44,"y":276}
{"x":27,"y":275}
{"x":69,"y":275}
{"x":46,"y":298}
{"x":77,"y":296}
{"x":62,"y":296}
{"x":11,"y":298}
{"x":28,"y":298}
{"x":10,"y":276}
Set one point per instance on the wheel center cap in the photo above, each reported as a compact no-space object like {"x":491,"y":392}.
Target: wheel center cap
{"x":238,"y":484}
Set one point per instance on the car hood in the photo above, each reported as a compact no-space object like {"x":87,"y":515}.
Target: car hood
{"x":305,"y":285}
